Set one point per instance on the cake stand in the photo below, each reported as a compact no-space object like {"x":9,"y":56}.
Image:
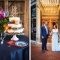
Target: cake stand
{"x":15,"y":33}
{"x":15,"y":29}
{"x":15,"y":37}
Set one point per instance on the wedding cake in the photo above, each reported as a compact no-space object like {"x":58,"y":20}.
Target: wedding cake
{"x":14,"y":26}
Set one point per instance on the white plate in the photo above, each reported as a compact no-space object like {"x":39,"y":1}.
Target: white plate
{"x":21,"y":43}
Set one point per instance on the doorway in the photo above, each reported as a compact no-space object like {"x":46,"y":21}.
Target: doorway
{"x":33,"y":22}
{"x":51,"y":22}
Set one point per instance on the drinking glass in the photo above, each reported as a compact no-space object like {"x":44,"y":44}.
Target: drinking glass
{"x":3,"y":35}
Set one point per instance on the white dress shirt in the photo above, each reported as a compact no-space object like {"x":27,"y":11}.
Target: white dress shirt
{"x":46,"y":29}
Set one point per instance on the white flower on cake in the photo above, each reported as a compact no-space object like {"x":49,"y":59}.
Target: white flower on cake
{"x":15,"y":26}
{"x":15,"y":20}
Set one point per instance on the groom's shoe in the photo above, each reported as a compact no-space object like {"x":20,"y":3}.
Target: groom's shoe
{"x":46,"y":50}
{"x":43,"y":51}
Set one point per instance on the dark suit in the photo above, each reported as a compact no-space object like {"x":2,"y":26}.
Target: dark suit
{"x":45,"y":35}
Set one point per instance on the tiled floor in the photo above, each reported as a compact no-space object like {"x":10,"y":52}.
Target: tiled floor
{"x":36,"y":53}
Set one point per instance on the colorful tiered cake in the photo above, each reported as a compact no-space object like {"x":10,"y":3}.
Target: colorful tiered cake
{"x":14,"y":26}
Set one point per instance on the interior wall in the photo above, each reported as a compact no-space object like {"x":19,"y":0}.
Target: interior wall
{"x":20,"y":9}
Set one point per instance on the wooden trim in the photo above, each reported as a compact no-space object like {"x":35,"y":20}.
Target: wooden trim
{"x":11,"y":4}
{"x":6,"y":5}
{"x":13,"y":0}
{"x":16,"y":0}
{"x":26,"y":18}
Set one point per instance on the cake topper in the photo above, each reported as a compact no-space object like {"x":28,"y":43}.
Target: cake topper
{"x":14,"y":11}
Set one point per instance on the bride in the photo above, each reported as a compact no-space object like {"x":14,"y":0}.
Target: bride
{"x":55,"y":38}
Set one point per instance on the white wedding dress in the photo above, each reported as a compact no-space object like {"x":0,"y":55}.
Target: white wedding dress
{"x":55,"y":45}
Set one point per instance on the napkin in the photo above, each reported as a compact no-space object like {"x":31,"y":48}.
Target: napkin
{"x":12,"y":42}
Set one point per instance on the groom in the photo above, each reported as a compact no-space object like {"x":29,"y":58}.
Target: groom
{"x":44,"y":36}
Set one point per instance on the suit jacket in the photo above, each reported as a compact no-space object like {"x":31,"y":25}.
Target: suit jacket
{"x":43,"y":32}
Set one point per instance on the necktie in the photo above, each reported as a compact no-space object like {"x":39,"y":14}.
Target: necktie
{"x":46,"y":29}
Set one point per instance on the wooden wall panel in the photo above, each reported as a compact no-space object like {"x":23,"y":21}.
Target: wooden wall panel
{"x":14,"y":0}
{"x":2,"y":4}
{"x":20,"y":9}
{"x":26,"y":17}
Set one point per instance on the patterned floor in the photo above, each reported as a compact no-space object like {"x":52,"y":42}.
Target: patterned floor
{"x":36,"y":53}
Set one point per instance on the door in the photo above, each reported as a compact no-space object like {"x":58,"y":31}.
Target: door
{"x":33,"y":22}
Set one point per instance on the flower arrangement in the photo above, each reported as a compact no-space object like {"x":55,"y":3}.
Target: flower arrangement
{"x":3,"y":20}
{"x":58,"y":39}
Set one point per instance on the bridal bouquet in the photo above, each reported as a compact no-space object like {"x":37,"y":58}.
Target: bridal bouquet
{"x":3,"y":20}
{"x":59,"y":38}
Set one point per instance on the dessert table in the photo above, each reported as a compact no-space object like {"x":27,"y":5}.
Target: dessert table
{"x":13,"y":52}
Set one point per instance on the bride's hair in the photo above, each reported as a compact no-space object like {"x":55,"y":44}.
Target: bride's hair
{"x":55,"y":26}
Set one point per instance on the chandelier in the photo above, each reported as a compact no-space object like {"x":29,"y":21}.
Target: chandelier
{"x":49,"y":2}
{"x":48,"y":7}
{"x":51,"y":10}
